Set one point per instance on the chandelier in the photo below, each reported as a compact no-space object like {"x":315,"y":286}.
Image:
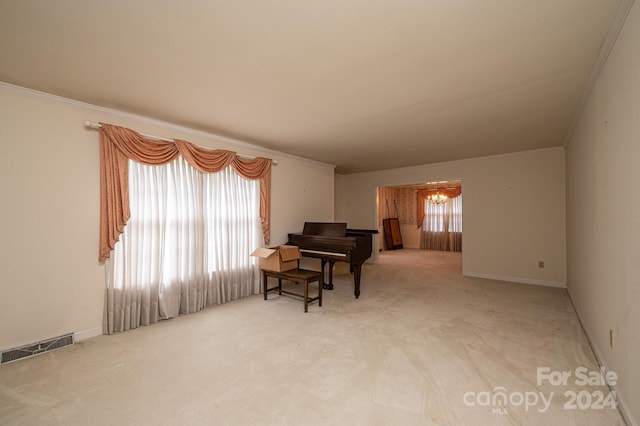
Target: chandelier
{"x":437,"y":198}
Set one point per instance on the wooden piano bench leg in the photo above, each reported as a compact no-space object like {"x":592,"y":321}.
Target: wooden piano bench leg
{"x":264,"y":284}
{"x":306,"y":292}
{"x":306,"y":296}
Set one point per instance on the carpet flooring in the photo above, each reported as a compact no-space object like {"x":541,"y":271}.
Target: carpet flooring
{"x":422,"y":345}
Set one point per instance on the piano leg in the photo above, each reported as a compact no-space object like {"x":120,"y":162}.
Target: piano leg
{"x":323,"y":262}
{"x":357,"y":272}
{"x":331,"y":263}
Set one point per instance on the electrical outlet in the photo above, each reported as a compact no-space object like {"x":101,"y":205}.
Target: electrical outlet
{"x":611,"y":338}
{"x":540,"y":263}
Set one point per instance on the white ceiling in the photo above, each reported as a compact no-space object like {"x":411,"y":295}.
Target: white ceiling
{"x":363,"y":84}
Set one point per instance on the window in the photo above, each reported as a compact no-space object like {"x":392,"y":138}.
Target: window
{"x":187,"y":244}
{"x":442,"y":225}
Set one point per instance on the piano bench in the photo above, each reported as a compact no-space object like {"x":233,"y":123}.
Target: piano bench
{"x":300,"y":276}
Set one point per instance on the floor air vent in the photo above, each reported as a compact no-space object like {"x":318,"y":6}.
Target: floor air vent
{"x":36,"y":348}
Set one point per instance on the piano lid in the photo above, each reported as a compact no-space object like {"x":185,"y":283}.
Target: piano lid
{"x":327,"y":229}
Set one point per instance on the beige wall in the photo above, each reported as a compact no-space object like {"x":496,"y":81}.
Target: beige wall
{"x":603,"y":214}
{"x":513,"y":211}
{"x":51,"y":281}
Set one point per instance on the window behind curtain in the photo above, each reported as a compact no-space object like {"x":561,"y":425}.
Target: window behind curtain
{"x":455,"y":218}
{"x":187,"y":244}
{"x":442,"y":225}
{"x":439,"y":216}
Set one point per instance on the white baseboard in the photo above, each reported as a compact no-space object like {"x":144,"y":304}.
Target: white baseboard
{"x":622,"y":403}
{"x":79,"y":336}
{"x":557,"y":284}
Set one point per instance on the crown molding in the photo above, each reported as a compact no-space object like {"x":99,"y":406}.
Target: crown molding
{"x":624,"y":7}
{"x":154,"y":122}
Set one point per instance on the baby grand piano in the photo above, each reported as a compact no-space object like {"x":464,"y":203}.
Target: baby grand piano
{"x":332,"y":242}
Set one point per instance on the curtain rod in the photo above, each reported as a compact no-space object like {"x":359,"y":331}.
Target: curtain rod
{"x":94,"y":125}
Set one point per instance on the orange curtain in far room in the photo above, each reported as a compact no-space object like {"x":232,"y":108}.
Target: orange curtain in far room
{"x":118,"y":144}
{"x":422,"y":194}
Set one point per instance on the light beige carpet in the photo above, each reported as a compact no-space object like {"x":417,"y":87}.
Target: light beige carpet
{"x":423,"y":345}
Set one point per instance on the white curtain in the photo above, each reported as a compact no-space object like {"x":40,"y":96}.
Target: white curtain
{"x":186,"y":246}
{"x":442,"y":225}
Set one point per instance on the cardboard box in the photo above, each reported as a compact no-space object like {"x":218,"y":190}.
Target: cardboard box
{"x":280,"y":258}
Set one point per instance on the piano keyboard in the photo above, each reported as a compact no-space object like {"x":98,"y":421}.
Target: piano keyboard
{"x":323,"y":252}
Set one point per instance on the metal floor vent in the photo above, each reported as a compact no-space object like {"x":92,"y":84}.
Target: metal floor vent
{"x":36,"y":348}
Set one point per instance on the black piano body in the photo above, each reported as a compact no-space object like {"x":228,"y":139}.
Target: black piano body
{"x":332,"y":242}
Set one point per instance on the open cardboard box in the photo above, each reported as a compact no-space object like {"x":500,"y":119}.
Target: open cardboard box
{"x":278,"y":259}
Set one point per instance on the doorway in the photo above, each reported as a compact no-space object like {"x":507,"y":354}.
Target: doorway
{"x":429,"y":215}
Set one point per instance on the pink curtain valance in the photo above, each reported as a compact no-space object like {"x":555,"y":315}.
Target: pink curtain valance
{"x":422,"y":194}
{"x":118,"y":144}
